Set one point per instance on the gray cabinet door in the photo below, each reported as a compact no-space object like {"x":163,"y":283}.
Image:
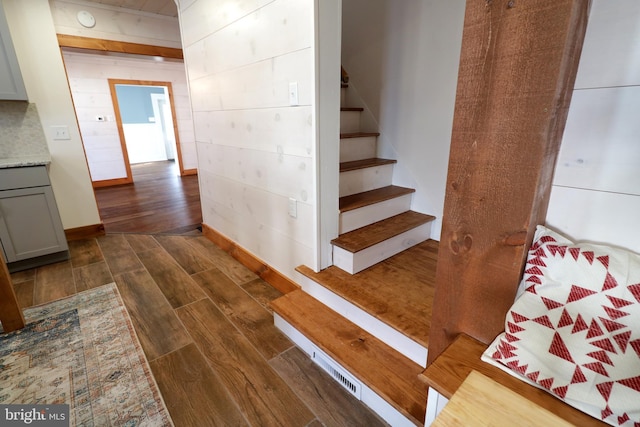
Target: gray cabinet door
{"x":30,"y":225}
{"x":11,"y":84}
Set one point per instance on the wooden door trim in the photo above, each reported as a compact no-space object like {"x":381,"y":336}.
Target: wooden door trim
{"x":78,"y":42}
{"x":116,"y":107}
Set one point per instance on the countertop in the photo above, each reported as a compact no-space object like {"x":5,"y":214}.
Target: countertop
{"x":22,"y":161}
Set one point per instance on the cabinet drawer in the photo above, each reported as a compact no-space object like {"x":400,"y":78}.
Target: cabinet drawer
{"x":23,"y":177}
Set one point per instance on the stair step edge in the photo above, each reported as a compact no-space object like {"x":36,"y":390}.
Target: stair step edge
{"x":388,"y":373}
{"x":359,"y":200}
{"x":372,"y":234}
{"x":365,"y":163}
{"x":351,"y":109}
{"x":347,"y":135}
{"x":326,"y":279}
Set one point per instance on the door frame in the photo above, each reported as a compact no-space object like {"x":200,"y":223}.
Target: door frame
{"x":116,"y":108}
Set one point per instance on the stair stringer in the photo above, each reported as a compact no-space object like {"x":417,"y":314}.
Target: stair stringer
{"x":370,"y":398}
{"x":390,"y":336}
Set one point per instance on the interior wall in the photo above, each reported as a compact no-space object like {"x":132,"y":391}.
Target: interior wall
{"x":255,"y":150}
{"x":117,"y":24}
{"x":402,"y":58}
{"x":596,"y":191}
{"x":36,"y":45}
{"x":88,"y":79}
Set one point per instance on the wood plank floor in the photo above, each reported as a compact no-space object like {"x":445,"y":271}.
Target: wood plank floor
{"x":398,"y":291}
{"x":204,"y":323}
{"x":159,"y":201}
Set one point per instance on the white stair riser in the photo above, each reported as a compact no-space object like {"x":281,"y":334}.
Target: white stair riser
{"x":366,"y":179}
{"x":385,"y":333}
{"x":356,"y":218}
{"x":349,"y":121}
{"x":357,"y":148}
{"x":355,"y":262}
{"x":377,"y":404}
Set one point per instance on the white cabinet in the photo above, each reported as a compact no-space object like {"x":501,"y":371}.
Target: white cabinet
{"x":11,"y":84}
{"x":31,"y":231}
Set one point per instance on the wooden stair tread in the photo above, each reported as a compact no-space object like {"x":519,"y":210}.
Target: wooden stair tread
{"x":366,"y":198}
{"x":351,"y":109}
{"x":451,"y":368}
{"x":347,"y":135}
{"x":397,"y":291}
{"x":365,"y":163}
{"x":384,"y":370}
{"x":372,"y":234}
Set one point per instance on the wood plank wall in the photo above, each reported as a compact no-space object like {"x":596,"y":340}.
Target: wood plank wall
{"x":88,"y":79}
{"x":255,"y":149}
{"x":517,"y":69}
{"x":596,"y":193}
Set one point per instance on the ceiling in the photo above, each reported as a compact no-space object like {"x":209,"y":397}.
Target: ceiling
{"x":160,"y":7}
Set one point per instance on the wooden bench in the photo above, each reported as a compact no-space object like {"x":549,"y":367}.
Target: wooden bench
{"x":447,"y":373}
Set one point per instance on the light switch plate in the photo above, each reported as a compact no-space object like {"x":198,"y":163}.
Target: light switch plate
{"x":60,"y":132}
{"x":293,"y":93}
{"x":293,"y":207}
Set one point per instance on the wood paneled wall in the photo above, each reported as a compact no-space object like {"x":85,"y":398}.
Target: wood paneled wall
{"x":88,"y":79}
{"x":255,"y":150}
{"x":113,"y":23}
{"x":596,"y":193}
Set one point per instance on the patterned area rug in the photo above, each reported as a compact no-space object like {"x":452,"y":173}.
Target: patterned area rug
{"x":82,"y":351}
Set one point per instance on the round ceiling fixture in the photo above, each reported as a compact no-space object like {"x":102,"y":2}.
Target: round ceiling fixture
{"x":86,"y":19}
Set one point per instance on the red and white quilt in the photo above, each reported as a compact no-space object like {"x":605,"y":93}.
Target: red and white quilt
{"x":574,"y":329}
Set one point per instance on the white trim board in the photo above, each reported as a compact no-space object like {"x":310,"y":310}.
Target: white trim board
{"x":390,"y":336}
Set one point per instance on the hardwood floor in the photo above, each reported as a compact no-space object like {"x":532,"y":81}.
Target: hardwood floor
{"x":205,"y":325}
{"x":159,"y":201}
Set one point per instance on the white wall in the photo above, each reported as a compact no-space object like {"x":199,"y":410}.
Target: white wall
{"x":402,"y":59}
{"x":34,"y":37}
{"x":596,"y":192}
{"x":88,"y":78}
{"x":114,"y":23}
{"x":255,"y":151}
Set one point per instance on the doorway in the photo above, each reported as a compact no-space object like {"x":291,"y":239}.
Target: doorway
{"x":145,"y":117}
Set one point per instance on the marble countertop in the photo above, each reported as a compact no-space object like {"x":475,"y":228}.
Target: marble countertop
{"x":22,"y":139}
{"x":22,"y":161}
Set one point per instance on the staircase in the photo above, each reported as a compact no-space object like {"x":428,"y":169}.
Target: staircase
{"x":365,"y":319}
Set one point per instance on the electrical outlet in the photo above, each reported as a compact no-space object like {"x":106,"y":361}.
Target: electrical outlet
{"x":293,"y":207}
{"x":60,"y":132}
{"x":293,"y":93}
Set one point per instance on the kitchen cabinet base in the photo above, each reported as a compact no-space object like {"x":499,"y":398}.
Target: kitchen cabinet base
{"x":26,"y":264}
